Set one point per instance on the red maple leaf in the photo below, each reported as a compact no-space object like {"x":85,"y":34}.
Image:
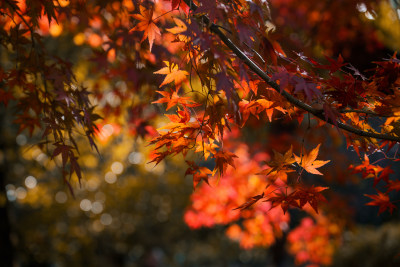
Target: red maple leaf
{"x":372,"y":171}
{"x":393,"y":185}
{"x":285,"y":201}
{"x":309,"y":88}
{"x":209,"y":7}
{"x":311,"y":195}
{"x":334,"y":65}
{"x":382,"y":201}
{"x":223,"y":158}
{"x":146,"y":24}
{"x":199,"y":173}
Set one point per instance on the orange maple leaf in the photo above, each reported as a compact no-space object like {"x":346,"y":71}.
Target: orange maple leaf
{"x":369,"y":170}
{"x":199,"y":173}
{"x":279,"y":163}
{"x":146,"y":24}
{"x":207,"y":148}
{"x":309,"y":162}
{"x":174,"y":99}
{"x":173,"y":74}
{"x":179,"y":28}
{"x":183,"y":116}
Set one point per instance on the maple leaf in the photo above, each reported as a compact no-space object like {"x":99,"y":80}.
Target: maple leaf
{"x":334,"y":65}
{"x":250,"y":202}
{"x":224,"y":82}
{"x":206,"y":148}
{"x":268,"y":51}
{"x":269,"y":107}
{"x":146,"y":24}
{"x":311,"y":195}
{"x":309,"y":88}
{"x":279,"y":162}
{"x":246,"y":86}
{"x":382,"y":201}
{"x":256,"y":107}
{"x":197,"y":177}
{"x":384,"y":175}
{"x":199,"y":173}
{"x":64,"y":150}
{"x":330,"y":114}
{"x":246,"y":33}
{"x":309,"y":162}
{"x":209,"y":7}
{"x":173,"y":74}
{"x":179,"y":28}
{"x":175,"y":3}
{"x":369,"y":170}
{"x":393,"y":185}
{"x":157,"y":157}
{"x":75,"y":167}
{"x":285,"y":201}
{"x":222,"y":159}
{"x":182,"y":117}
{"x":174,"y":99}
{"x":283,"y":76}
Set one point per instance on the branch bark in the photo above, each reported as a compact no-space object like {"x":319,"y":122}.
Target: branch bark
{"x":293,"y":100}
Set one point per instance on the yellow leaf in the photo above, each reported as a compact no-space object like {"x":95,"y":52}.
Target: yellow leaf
{"x":309,"y":162}
{"x":173,"y":74}
{"x":179,"y":28}
{"x":146,"y":24}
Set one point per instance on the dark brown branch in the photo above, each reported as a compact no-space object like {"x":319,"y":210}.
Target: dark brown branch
{"x":367,"y":112}
{"x":293,"y":100}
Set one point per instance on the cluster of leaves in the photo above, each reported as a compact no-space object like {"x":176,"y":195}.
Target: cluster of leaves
{"x":372,"y":170}
{"x":341,"y":95}
{"x":48,"y":96}
{"x":335,"y":92}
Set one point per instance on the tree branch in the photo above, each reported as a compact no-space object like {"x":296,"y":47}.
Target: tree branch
{"x":367,"y":112}
{"x":293,"y":100}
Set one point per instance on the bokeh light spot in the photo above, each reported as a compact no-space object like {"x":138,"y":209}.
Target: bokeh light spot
{"x":135,"y":158}
{"x":20,"y":193}
{"x":21,"y":139}
{"x":117,"y":167}
{"x":61,"y":197}
{"x":97,"y":207}
{"x":110,"y":177}
{"x":85,"y":205}
{"x":30,"y":182}
{"x":106,"y":219}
